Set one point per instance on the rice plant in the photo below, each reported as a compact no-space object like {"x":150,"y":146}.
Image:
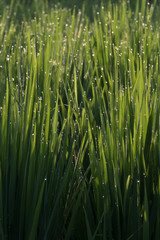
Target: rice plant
{"x":79,"y":122}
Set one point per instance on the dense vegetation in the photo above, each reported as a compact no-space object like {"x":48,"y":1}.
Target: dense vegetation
{"x":79,"y":122}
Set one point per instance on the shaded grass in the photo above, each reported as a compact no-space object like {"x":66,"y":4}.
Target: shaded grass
{"x":79,"y":124}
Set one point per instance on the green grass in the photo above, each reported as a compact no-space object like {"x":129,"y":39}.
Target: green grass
{"x":79,"y":122}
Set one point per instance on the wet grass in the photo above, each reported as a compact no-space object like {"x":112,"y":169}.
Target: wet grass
{"x":79,"y":123}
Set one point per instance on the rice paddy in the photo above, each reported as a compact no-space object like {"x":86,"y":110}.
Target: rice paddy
{"x":79,"y":122}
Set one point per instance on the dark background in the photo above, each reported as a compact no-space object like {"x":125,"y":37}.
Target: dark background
{"x":35,"y":5}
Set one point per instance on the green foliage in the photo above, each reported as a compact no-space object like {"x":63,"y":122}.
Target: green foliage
{"x":79,"y":122}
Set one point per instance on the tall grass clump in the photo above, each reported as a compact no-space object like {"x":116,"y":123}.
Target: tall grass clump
{"x":79,"y":122}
